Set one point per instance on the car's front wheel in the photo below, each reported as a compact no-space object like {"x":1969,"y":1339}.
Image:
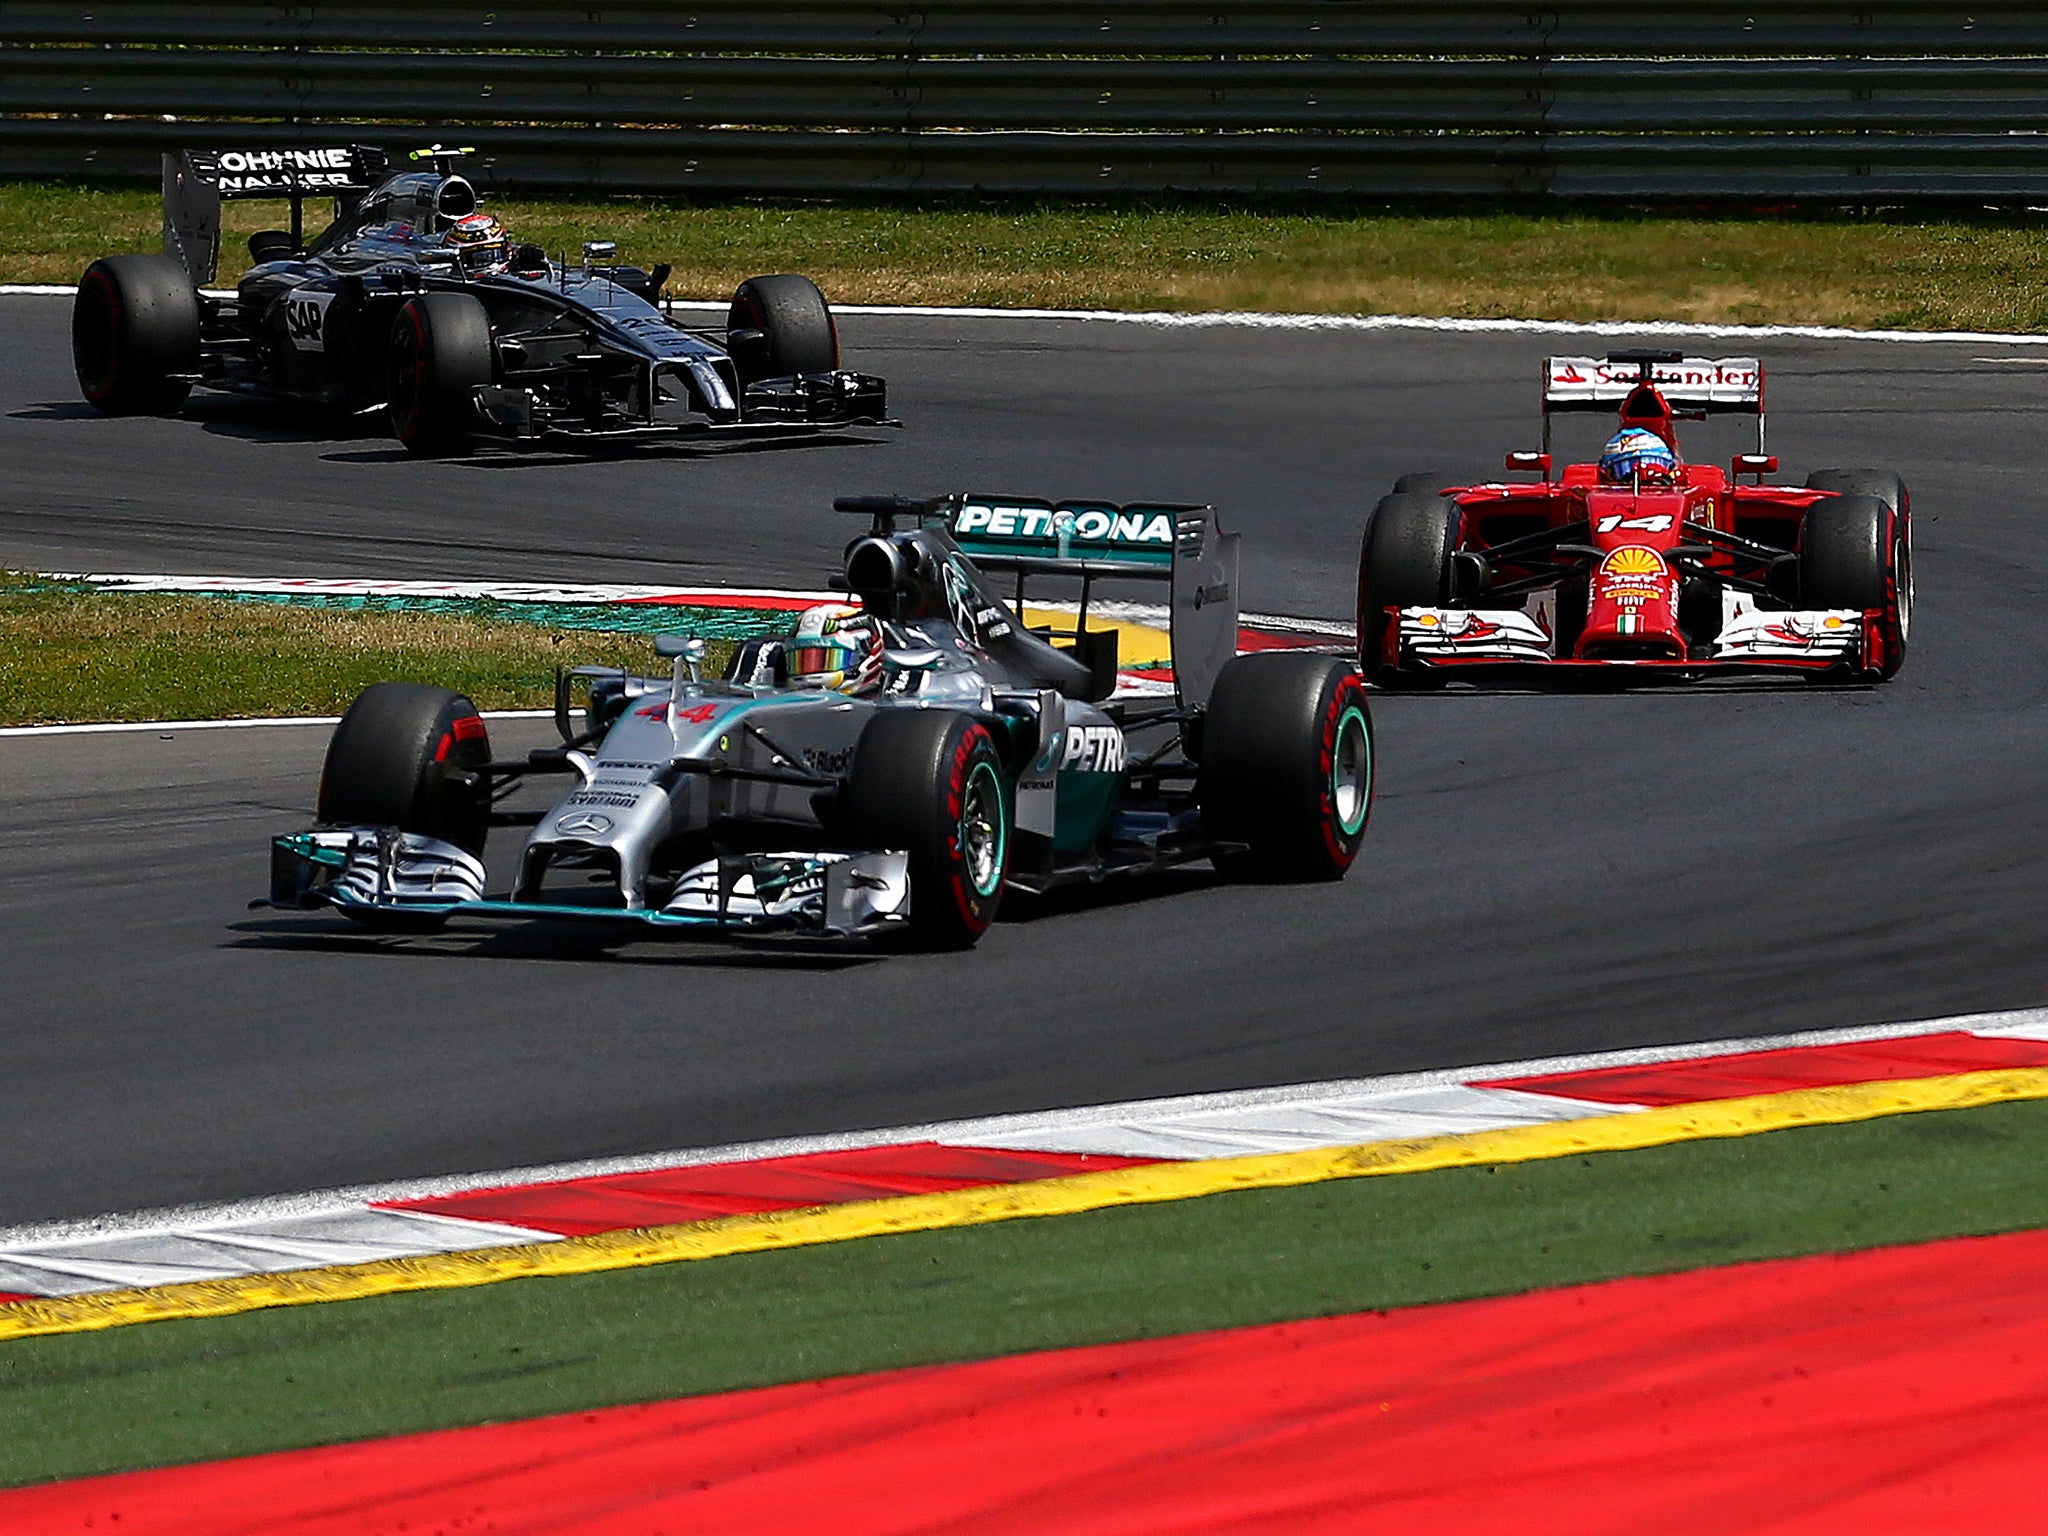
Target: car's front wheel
{"x":931,"y":782}
{"x":1404,"y":561}
{"x":389,"y":764}
{"x":1896,"y":626}
{"x":779,"y":326}
{"x":389,"y":760}
{"x":1855,"y":552}
{"x":441,"y":354}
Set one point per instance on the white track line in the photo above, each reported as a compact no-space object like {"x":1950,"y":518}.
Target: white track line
{"x":567,"y":593}
{"x":999,"y":1129}
{"x":123,"y":727}
{"x":1257,"y":320}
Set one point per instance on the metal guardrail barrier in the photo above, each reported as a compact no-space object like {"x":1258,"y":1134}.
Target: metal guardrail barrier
{"x":1871,"y":102}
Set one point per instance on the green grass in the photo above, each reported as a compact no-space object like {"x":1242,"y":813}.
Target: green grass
{"x":72,"y":654}
{"x":169,"y":1392}
{"x":1895,"y":269}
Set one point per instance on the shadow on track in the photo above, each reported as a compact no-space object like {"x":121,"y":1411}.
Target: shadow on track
{"x":504,"y":456}
{"x":556,"y":943}
{"x":577,"y":943}
{"x":1150,"y":886}
{"x":57,"y":410}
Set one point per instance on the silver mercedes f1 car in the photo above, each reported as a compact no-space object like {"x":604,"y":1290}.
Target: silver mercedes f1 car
{"x":962,"y":754}
{"x":416,"y":299}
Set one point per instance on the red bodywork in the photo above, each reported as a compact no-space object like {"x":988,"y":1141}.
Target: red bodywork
{"x":1625,"y":554}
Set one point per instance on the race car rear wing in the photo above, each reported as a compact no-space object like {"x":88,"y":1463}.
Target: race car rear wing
{"x":1691,"y":386}
{"x":1718,"y":385}
{"x":196,"y":181}
{"x":1176,"y":543}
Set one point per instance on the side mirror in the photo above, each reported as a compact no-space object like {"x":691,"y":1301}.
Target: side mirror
{"x":1758,"y":464}
{"x":686,"y":650}
{"x":1538,"y":462}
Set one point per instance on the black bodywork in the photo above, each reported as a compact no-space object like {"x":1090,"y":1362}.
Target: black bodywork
{"x":580,"y":349}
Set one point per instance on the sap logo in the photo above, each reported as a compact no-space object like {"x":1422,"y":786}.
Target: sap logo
{"x":1094,"y":749}
{"x":305,"y":319}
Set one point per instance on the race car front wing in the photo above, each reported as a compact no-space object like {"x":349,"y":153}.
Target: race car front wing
{"x":801,"y":403}
{"x":1802,"y":639}
{"x":372,"y":871}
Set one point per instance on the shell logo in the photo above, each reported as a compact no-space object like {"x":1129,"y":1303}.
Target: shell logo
{"x":1633,"y":560}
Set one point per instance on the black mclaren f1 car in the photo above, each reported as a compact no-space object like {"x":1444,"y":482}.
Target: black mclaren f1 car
{"x":414,"y":298}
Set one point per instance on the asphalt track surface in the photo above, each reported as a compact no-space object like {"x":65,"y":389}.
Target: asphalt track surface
{"x":1544,"y":874}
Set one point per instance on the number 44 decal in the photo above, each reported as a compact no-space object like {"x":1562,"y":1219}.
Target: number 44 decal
{"x":1656,"y":524}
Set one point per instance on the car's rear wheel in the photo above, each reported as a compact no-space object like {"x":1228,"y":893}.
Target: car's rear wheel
{"x":1287,"y":766}
{"x":1854,"y":552}
{"x":1404,"y":561}
{"x":931,"y":782}
{"x":793,"y":323}
{"x":440,"y":355}
{"x":135,"y":335}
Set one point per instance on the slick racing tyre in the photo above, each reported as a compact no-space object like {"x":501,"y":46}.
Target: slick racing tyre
{"x":931,"y":782}
{"x":441,"y":354}
{"x":135,"y":335}
{"x":1403,"y":562}
{"x":794,"y":324}
{"x":1424,"y":482}
{"x":1855,"y":551}
{"x":1897,"y":626}
{"x":1287,"y":766}
{"x":389,"y":759}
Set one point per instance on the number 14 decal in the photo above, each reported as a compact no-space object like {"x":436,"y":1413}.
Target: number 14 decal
{"x":1657,"y":524}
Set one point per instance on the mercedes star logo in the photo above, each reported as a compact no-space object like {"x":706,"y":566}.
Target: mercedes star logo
{"x":584,"y":822}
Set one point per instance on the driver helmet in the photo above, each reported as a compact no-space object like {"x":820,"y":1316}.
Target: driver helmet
{"x":836,"y":645}
{"x":480,"y":241}
{"x":1636,"y":454}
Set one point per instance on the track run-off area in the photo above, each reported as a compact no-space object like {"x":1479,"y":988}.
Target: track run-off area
{"x":1544,"y":874}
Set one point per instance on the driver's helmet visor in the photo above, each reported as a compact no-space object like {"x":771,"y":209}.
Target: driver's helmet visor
{"x":485,"y":256}
{"x":824,"y":655}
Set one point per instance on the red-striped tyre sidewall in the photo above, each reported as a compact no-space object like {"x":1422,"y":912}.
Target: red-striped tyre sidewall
{"x":1341,"y":843}
{"x":975,"y":909}
{"x":96,"y":279}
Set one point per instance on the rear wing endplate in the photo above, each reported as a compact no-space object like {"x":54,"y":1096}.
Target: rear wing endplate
{"x":197,"y":181}
{"x":1716,"y":385}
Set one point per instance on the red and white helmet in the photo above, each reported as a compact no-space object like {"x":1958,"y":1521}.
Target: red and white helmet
{"x":481,"y":241}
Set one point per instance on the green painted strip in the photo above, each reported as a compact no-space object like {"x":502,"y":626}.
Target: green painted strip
{"x":712,"y":623}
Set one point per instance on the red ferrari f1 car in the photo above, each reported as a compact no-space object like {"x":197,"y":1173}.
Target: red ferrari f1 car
{"x":1667,"y":568}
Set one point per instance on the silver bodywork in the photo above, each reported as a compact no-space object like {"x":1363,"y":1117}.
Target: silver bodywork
{"x":700,"y":803}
